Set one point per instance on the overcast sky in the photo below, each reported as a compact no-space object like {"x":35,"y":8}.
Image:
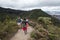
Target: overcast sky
{"x":51,"y":5}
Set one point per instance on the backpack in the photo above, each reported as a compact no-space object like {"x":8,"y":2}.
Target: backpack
{"x":24,"y":23}
{"x":19,"y":20}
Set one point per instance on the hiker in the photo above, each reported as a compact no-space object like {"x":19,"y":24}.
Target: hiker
{"x":24,"y":26}
{"x":27,"y":22}
{"x":19,"y":21}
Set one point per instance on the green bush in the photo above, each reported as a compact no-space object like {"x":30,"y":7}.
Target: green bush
{"x":33,"y":35}
{"x":45,"y":20}
{"x":53,"y":36}
{"x":7,"y":28}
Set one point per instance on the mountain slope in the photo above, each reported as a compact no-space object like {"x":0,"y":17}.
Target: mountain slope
{"x":14,"y":13}
{"x":8,"y":22}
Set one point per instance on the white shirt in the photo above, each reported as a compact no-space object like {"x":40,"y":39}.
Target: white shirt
{"x":26,"y":19}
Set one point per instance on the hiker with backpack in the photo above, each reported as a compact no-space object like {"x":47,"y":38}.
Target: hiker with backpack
{"x":27,"y":22}
{"x":19,"y":22}
{"x":24,"y":27}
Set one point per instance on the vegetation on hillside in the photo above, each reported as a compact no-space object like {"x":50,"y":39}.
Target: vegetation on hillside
{"x":7,"y":28}
{"x":46,"y":27}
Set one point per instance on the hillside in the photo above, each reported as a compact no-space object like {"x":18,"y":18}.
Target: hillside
{"x":41,"y":22}
{"x":14,"y":13}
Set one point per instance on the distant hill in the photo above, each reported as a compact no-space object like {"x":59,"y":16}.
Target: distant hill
{"x":29,"y":14}
{"x":10,"y":12}
{"x":56,"y":16}
{"x":53,"y":12}
{"x":32,"y":14}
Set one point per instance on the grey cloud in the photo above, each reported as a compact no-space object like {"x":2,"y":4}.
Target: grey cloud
{"x":21,"y":4}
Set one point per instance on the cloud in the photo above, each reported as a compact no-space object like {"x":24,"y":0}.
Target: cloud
{"x":56,"y":8}
{"x":30,"y":4}
{"x":18,"y":3}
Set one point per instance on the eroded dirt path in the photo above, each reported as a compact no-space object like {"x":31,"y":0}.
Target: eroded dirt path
{"x":21,"y":36}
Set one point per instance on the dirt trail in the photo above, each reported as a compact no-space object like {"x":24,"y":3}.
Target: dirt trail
{"x":21,"y":36}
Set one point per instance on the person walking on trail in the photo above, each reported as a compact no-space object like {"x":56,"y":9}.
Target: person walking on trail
{"x":24,"y":26}
{"x":27,"y":22}
{"x":19,"y":21}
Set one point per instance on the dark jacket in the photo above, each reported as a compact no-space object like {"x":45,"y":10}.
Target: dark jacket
{"x":24,"y":23}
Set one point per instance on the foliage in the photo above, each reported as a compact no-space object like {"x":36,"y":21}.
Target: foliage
{"x":46,"y":27}
{"x":46,"y":20}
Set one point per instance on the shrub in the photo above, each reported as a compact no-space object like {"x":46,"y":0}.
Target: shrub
{"x":33,"y":35}
{"x":45,"y":20}
{"x":52,"y":36}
